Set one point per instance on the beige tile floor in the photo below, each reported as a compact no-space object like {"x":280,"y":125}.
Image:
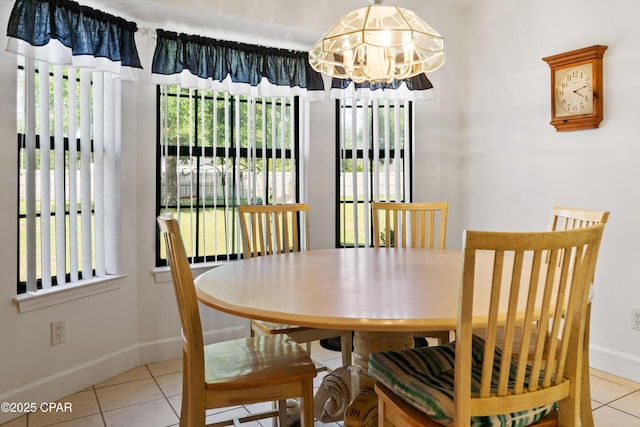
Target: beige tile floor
{"x":149,"y":396}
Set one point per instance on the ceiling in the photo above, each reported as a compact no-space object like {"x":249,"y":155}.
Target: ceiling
{"x":289,"y":23}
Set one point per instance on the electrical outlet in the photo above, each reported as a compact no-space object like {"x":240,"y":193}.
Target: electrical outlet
{"x":635,"y":318}
{"x":58,"y":332}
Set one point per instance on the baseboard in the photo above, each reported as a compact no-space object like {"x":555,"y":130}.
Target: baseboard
{"x":171,"y":348}
{"x":624,"y":365}
{"x":69,"y":381}
{"x":74,"y":379}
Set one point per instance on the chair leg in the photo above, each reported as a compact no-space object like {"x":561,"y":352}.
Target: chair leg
{"x":282,"y":413}
{"x":192,"y":411}
{"x":382,"y":414}
{"x":569,"y":412}
{"x":185,"y":411}
{"x":586,"y":414}
{"x":306,"y":408}
{"x":346,"y":343}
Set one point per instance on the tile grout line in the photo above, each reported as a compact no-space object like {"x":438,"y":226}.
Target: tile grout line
{"x":608,"y":404}
{"x":29,"y":422}
{"x":28,"y":419}
{"x":151,"y":376}
{"x":163,"y":393}
{"x":614,"y":379}
{"x":95,"y":392}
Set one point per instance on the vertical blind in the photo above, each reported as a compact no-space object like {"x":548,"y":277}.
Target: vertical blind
{"x":375,"y":162}
{"x":69,"y":144}
{"x":69,"y":138}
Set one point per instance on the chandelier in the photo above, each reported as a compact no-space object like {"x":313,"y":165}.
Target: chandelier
{"x":378,"y":44}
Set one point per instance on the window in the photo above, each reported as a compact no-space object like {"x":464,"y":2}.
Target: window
{"x":374,"y":163}
{"x":216,"y":151}
{"x":68,"y":145}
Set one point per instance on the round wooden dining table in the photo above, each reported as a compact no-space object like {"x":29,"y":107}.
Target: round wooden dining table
{"x":363,"y":289}
{"x":384,"y":295}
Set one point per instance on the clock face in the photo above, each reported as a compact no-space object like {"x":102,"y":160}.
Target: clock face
{"x":574,"y":90}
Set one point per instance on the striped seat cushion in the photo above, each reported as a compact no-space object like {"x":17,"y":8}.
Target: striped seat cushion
{"x":424,"y":377}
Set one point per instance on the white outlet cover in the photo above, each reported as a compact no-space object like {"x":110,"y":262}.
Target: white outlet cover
{"x":635,"y":318}
{"x":58,"y":332}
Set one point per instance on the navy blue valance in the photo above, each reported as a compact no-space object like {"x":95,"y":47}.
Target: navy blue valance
{"x":418,"y":87}
{"x":201,"y":62}
{"x":66,"y":33}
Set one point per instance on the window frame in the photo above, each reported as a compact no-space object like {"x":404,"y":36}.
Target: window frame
{"x":96,"y":123}
{"x":222,"y":150}
{"x":406,"y":151}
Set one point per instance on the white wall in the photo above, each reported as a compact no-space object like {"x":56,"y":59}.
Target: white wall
{"x":106,"y":333}
{"x":484,"y":144}
{"x":516,"y":166}
{"x":102,"y":332}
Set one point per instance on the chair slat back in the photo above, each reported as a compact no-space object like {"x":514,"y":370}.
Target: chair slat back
{"x":530,"y":293}
{"x":567,"y":218}
{"x":184,"y":288}
{"x":415,"y":225}
{"x":271,"y":229}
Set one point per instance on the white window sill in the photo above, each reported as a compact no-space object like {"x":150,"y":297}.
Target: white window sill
{"x":163,"y":274}
{"x":68,"y":292}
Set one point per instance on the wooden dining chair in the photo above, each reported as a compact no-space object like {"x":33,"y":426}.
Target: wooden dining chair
{"x":236,"y":372}
{"x":540,"y":281}
{"x":274,"y":229}
{"x":568,"y":218}
{"x":415,"y":225}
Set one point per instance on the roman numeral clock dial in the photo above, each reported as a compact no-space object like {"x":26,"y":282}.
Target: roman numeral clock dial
{"x":576,"y":88}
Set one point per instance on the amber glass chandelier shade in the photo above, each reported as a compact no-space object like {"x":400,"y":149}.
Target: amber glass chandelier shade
{"x":378,"y":44}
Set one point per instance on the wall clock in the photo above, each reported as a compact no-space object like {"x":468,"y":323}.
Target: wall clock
{"x":576,"y":88}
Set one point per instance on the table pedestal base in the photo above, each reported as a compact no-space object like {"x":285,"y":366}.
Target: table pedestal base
{"x":363,"y":409}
